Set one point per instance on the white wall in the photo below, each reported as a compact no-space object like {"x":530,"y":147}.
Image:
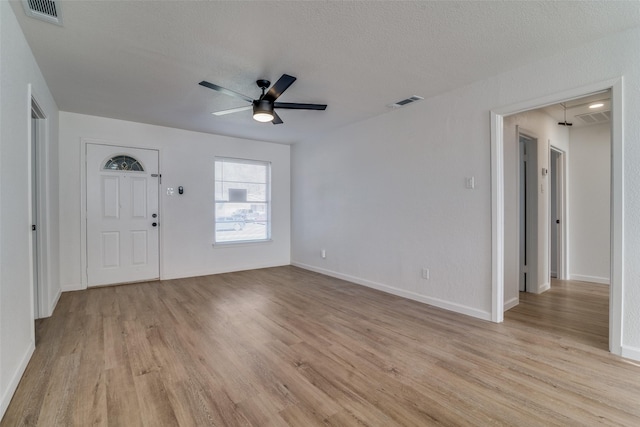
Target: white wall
{"x":589,"y":198}
{"x":386,"y":196}
{"x":186,"y":159}
{"x":18,"y":70}
{"x":547,"y":131}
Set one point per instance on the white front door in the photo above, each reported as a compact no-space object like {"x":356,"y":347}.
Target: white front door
{"x":122,"y":215}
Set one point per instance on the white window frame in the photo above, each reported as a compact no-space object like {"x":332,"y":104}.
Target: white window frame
{"x":267,"y":202}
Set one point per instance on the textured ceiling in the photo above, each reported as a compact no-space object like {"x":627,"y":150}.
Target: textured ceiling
{"x":142,"y":60}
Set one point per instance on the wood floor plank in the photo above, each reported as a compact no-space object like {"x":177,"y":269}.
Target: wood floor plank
{"x":122,"y":400}
{"x":284,"y":346}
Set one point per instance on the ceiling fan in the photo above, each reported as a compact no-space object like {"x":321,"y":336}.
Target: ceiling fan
{"x":263,"y":107}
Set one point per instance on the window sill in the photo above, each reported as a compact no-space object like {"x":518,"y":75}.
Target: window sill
{"x":241,"y":243}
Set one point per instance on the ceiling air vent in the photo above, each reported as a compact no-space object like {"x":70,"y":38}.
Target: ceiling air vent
{"x":44,"y":10}
{"x":592,"y":118}
{"x":404,"y":102}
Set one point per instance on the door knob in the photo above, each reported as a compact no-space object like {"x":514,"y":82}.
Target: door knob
{"x":155,"y":224}
{"x":155,"y":215}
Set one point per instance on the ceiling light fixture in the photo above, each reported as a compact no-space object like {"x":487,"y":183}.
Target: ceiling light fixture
{"x":263,"y":111}
{"x":596,"y":105}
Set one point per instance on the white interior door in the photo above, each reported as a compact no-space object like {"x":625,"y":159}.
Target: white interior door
{"x":122,"y":215}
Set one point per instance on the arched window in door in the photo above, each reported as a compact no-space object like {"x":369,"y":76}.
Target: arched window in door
{"x":123,"y":163}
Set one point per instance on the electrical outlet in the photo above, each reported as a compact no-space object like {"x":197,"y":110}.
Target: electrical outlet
{"x":470,"y":182}
{"x":425,"y":274}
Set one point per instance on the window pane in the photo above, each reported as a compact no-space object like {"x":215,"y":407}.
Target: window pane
{"x":241,"y":200}
{"x":123,"y":163}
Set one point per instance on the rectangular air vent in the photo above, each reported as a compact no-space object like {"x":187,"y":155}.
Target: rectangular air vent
{"x":404,"y":102}
{"x":591,"y":118}
{"x":44,"y":10}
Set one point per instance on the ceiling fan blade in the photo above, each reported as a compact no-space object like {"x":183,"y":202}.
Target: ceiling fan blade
{"x":276,"y":119}
{"x":225,"y":91}
{"x":232,"y":110}
{"x":298,"y":106}
{"x":280,"y":86}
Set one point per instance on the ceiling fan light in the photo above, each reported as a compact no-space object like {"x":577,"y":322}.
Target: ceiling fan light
{"x":263,"y":117}
{"x":263,"y":111}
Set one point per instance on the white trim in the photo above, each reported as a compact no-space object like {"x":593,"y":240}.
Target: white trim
{"x":73,"y":287}
{"x":17,"y":376}
{"x":457,"y":308}
{"x":592,"y":279}
{"x":241,"y":243}
{"x":508,"y":305}
{"x":617,"y":199}
{"x":53,"y":304}
{"x":43,"y":213}
{"x":83,"y":218}
{"x":32,"y":296}
{"x":531,"y":227}
{"x":200,"y":273}
{"x":544,"y":287}
{"x":616,"y":289}
{"x":630,"y":352}
{"x":562,"y":210}
{"x":497,"y":218}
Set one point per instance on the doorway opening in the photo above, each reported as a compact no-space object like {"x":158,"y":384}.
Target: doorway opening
{"x":527,"y":148}
{"x":557,"y":214}
{"x":37,"y":133}
{"x":502,"y":249}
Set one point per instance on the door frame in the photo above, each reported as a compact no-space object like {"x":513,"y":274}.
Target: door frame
{"x":83,"y":203}
{"x":616,"y":287}
{"x":37,"y":263}
{"x":528,"y":220}
{"x":562,"y":260}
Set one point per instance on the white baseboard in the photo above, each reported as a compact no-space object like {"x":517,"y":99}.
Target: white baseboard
{"x":508,"y":305}
{"x":630,"y":352}
{"x":457,"y":308}
{"x":592,"y":279}
{"x":7,"y":394}
{"x":52,"y":306}
{"x":72,"y":287}
{"x":193,"y":273}
{"x":544,"y":287}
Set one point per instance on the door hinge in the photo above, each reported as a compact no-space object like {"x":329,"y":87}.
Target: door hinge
{"x":525,"y":269}
{"x":33,"y":227}
{"x":157,"y":175}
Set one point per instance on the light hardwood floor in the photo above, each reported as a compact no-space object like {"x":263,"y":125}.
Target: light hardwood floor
{"x":284,"y":346}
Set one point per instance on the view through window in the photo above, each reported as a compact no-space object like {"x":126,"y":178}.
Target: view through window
{"x":242,"y":196}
